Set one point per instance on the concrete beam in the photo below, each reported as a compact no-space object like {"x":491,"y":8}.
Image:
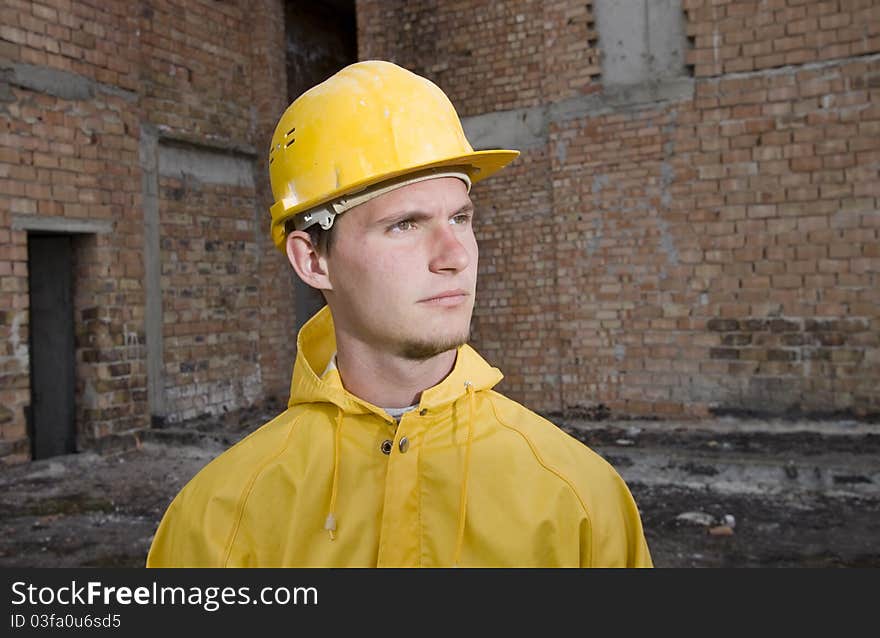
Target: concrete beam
{"x":523,"y":129}
{"x":63,"y":84}
{"x":62,"y":225}
{"x":623,"y":98}
{"x":517,"y":129}
{"x":206,"y":164}
{"x":174,"y":137}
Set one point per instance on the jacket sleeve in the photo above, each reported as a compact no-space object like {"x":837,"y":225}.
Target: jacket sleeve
{"x":612,"y":535}
{"x":185,"y":537}
{"x":162,"y":550}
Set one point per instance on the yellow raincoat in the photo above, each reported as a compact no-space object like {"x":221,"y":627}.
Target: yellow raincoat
{"x":469,"y":478}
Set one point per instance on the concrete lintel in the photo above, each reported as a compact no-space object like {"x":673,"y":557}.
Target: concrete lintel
{"x":69,"y":225}
{"x":206,"y":164}
{"x":623,"y":97}
{"x":527,"y":128}
{"x":171,"y":137}
{"x":515,"y":129}
{"x":60,"y":83}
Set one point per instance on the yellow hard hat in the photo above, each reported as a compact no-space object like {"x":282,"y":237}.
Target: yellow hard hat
{"x":369,"y":123}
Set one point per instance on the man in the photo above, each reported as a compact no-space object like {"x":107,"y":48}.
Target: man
{"x":394,"y":449}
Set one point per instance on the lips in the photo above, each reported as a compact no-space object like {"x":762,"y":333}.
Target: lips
{"x":446,"y":298}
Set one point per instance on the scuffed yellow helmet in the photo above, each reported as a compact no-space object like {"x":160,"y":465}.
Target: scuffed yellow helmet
{"x":371,"y":122}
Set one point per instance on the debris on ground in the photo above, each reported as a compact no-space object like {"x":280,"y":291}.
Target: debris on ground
{"x":696,"y":518}
{"x":803,"y":494}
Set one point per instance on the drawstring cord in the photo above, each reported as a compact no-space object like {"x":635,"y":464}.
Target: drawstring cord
{"x":462,"y":511}
{"x":330,"y":523}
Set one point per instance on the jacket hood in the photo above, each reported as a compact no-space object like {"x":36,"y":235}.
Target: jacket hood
{"x":316,"y":344}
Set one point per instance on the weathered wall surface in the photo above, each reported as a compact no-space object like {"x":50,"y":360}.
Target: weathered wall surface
{"x":693,"y":225}
{"x":69,"y":151}
{"x":141,"y":127}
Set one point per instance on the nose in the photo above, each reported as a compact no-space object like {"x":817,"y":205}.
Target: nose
{"x":449,"y":250}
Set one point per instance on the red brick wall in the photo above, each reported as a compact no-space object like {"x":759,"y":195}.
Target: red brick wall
{"x":111,"y":376}
{"x":453,"y":42}
{"x":785,"y":185}
{"x":91,"y":39}
{"x":196,"y":68}
{"x":748,"y":35}
{"x":210,"y":298}
{"x":713,"y":253}
{"x":516,"y":298}
{"x":216,"y":74}
{"x":268,"y":99}
{"x":487,"y":57}
{"x":74,"y":158}
{"x":569,"y":55}
{"x":211,"y":73}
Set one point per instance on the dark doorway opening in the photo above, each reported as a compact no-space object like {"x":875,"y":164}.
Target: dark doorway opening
{"x":321,"y":38}
{"x":52,"y":418}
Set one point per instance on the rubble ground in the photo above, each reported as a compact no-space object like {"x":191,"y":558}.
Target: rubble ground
{"x":711,"y":494}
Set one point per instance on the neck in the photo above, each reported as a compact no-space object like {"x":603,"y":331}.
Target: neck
{"x":387,"y":380}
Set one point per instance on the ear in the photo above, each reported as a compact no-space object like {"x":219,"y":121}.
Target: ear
{"x":308,"y":264}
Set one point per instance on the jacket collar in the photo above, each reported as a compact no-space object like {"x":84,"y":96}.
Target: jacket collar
{"x":316,"y":343}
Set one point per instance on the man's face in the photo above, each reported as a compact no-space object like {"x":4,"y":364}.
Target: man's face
{"x":403,"y":269}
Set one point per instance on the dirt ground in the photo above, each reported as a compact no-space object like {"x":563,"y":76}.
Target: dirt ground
{"x":93,"y":509}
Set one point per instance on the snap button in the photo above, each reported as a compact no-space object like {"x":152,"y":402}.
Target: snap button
{"x":404,"y":444}
{"x":423,"y":411}
{"x":386,"y":446}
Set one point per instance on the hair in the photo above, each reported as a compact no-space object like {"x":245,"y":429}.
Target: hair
{"x":321,"y":239}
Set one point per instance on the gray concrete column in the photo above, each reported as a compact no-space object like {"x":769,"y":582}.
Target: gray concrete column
{"x":149,"y":159}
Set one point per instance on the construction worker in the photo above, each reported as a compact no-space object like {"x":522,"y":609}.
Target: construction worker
{"x":394,"y":449}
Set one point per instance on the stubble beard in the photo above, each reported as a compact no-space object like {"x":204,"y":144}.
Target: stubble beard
{"x":416,"y":350}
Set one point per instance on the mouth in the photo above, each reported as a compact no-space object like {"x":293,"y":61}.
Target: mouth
{"x":446,"y":298}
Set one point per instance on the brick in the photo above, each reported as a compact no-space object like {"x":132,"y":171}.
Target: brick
{"x":774,"y":354}
{"x":735,"y":340}
{"x":808,"y":163}
{"x":786,"y":281}
{"x":722,"y":325}
{"x":724,"y":353}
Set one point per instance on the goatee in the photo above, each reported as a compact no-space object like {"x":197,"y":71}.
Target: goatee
{"x":423,"y":350}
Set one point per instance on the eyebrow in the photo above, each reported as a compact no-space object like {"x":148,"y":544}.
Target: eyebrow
{"x":419,"y":215}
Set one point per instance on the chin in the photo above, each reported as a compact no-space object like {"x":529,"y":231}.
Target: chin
{"x":422,"y":348}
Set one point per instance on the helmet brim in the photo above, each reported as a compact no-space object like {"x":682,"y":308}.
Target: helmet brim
{"x":477,"y":164}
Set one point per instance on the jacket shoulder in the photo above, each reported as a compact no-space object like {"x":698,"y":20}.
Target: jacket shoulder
{"x":197,"y":527}
{"x":613,"y":535}
{"x":551,"y":445}
{"x":234,"y":467}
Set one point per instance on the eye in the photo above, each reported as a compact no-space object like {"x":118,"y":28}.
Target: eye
{"x":402,"y":225}
{"x":461,"y":219}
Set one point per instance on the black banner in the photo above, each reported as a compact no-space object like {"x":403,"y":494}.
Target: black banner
{"x":141,"y":602}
